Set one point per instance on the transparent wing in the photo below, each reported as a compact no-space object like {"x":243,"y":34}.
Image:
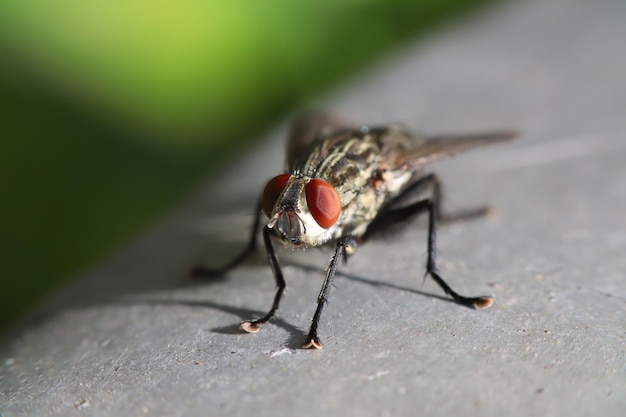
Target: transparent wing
{"x":403,"y":149}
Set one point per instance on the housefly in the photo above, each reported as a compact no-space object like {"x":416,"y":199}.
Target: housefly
{"x":345,"y":184}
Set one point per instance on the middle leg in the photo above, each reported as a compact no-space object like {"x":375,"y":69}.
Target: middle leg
{"x":392,"y":217}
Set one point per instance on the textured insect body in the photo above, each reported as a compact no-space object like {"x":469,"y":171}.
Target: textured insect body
{"x":345,"y":184}
{"x":336,"y":183}
{"x":363,"y":167}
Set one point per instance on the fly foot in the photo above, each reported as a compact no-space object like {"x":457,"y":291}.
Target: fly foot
{"x":312,"y":342}
{"x":251,"y":326}
{"x":483,"y":302}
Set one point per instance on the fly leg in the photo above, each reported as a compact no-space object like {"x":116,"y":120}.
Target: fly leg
{"x":203,"y":272}
{"x":252,"y":326}
{"x":342,"y":249}
{"x":410,"y":194}
{"x":431,"y":267}
{"x":392,"y":217}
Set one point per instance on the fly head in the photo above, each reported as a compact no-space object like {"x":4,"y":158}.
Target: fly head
{"x":303,"y":211}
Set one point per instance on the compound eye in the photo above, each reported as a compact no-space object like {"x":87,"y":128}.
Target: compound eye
{"x":272,"y":191}
{"x":323,"y":202}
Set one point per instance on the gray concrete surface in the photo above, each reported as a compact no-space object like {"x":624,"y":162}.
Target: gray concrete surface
{"x":128,"y":340}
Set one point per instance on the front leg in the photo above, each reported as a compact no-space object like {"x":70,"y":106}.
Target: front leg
{"x":312,"y":340}
{"x":252,"y":326}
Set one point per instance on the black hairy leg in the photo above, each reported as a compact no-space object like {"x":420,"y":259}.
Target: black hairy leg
{"x":390,"y":217}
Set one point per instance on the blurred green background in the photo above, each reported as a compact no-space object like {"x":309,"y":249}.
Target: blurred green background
{"x":111,"y":110}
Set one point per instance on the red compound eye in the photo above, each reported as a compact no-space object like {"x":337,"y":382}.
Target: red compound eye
{"x":272,"y":191}
{"x":323,"y":202}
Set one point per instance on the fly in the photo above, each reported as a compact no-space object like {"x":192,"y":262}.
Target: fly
{"x":344,"y":185}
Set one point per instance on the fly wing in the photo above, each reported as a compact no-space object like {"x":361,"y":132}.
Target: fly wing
{"x":402,"y":149}
{"x":311,"y":127}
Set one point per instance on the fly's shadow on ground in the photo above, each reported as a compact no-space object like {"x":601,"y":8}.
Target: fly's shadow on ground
{"x":296,"y":334}
{"x":371,"y":282}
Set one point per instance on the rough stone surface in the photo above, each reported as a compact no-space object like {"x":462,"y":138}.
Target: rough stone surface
{"x":129,"y":340}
